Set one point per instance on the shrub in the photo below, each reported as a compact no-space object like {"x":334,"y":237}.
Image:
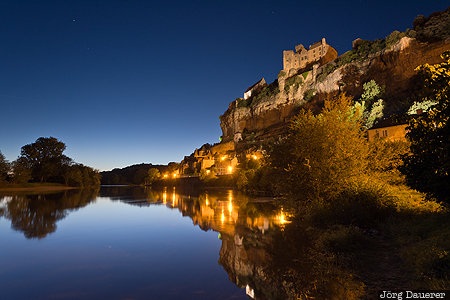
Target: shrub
{"x":241,"y":102}
{"x":309,"y":94}
{"x":281,"y":74}
{"x":394,"y":37}
{"x":294,"y":81}
{"x":305,"y":74}
{"x":267,"y":92}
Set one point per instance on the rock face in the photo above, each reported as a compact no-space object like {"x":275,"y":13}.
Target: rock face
{"x":268,"y":113}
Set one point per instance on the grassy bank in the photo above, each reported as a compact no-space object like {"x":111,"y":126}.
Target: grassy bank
{"x":43,"y":187}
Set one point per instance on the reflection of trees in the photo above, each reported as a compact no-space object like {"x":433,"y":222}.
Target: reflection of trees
{"x":36,"y":215}
{"x":285,"y":264}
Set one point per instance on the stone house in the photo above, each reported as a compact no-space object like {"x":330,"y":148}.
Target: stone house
{"x":202,"y":158}
{"x":391,"y":133}
{"x":254,"y":88}
{"x":226,"y":165}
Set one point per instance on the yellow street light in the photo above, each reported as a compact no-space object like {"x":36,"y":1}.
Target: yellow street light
{"x":230,"y":169}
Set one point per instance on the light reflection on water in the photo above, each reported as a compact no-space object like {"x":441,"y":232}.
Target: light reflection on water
{"x":133,"y":243}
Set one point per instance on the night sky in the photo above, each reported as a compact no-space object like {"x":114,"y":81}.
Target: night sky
{"x":125,"y":82}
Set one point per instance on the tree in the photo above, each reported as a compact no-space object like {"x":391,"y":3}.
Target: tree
{"x":140,"y":176}
{"x":44,"y":157}
{"x":323,"y":153}
{"x":427,"y":167}
{"x":153,"y":175}
{"x":21,"y":171}
{"x":4,"y":167}
{"x":370,"y":103}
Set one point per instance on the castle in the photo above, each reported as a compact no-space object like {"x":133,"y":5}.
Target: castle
{"x":302,"y":57}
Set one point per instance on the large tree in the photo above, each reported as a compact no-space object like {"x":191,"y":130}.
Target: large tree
{"x":4,"y":167}
{"x":323,"y":153}
{"x":427,"y":168}
{"x":44,"y":157}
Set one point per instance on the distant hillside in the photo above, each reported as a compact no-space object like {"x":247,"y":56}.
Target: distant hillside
{"x":134,"y":174}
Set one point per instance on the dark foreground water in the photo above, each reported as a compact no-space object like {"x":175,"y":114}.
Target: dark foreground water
{"x":134,"y":243}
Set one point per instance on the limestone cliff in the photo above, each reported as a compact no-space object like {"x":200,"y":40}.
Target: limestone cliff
{"x":390,"y":62}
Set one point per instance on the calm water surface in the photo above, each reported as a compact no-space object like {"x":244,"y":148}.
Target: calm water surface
{"x":134,"y":243}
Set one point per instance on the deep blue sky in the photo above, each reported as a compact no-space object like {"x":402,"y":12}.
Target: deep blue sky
{"x":124,"y":82}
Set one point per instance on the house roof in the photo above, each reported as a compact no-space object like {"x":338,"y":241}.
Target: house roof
{"x":389,"y":122}
{"x":261,"y":81}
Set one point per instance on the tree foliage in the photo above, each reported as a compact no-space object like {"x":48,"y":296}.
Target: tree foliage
{"x":323,"y":153}
{"x":370,"y":103}
{"x":44,"y":157}
{"x":153,"y":175}
{"x":44,"y":160}
{"x":427,"y":167}
{"x":4,"y":167}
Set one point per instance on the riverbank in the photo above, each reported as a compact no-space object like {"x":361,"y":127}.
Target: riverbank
{"x":35,"y":187}
{"x":398,"y":230}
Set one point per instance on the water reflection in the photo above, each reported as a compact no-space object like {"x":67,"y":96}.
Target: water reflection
{"x":36,"y":215}
{"x":222,"y":211}
{"x":251,"y":230}
{"x":261,"y":250}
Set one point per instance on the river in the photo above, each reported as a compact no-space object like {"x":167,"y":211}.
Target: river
{"x":136,"y":243}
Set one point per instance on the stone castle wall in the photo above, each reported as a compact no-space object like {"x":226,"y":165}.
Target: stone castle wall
{"x":302,"y":57}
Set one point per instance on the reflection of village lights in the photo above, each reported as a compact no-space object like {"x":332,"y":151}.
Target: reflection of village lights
{"x":164,"y":197}
{"x":222,"y":217}
{"x":173,"y":199}
{"x":282,"y":218}
{"x":230,"y":169}
{"x":206,"y":199}
{"x":230,"y":201}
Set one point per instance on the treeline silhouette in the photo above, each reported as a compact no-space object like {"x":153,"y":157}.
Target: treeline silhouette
{"x":44,"y":161}
{"x":135,"y":174}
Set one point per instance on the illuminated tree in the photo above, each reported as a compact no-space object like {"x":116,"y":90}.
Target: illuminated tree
{"x":323,"y":153}
{"x":427,"y":168}
{"x":152,"y":176}
{"x":370,"y":104}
